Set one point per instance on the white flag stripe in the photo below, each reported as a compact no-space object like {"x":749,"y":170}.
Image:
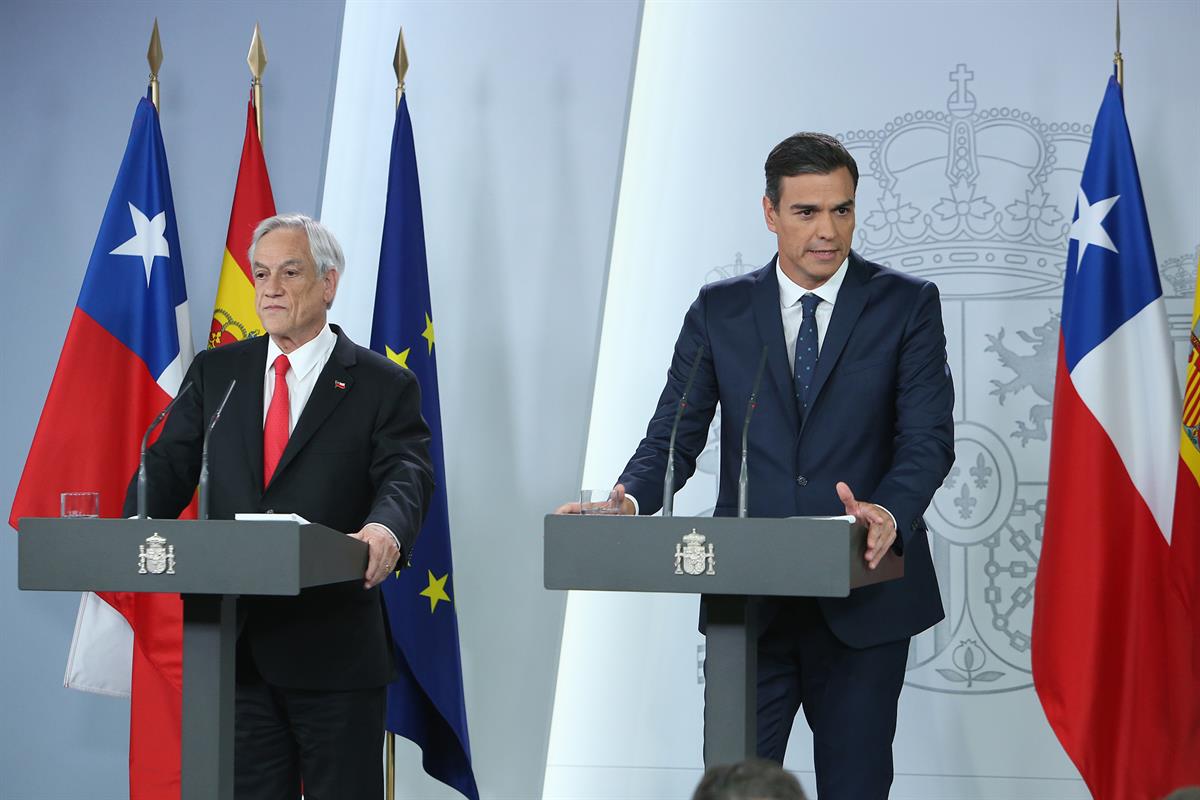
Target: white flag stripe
{"x":1140,"y":409}
{"x":101,"y":655}
{"x":172,"y":376}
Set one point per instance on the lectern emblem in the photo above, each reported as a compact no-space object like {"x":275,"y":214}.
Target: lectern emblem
{"x":692,"y":558}
{"x":156,"y":556}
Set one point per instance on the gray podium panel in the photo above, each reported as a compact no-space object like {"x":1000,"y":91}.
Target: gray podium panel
{"x":210,"y":557}
{"x":209,"y":564}
{"x":809,"y":556}
{"x":730,"y":560}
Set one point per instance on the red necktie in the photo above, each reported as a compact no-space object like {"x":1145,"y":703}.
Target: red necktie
{"x":275,"y":431}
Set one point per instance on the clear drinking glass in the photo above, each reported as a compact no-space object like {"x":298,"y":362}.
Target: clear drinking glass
{"x":598,"y":501}
{"x":79,"y":504}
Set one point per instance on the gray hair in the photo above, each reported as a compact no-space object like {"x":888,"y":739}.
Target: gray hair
{"x":325,"y":250}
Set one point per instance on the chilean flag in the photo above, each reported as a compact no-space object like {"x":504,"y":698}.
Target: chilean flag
{"x":125,"y":354}
{"x":1112,"y":641}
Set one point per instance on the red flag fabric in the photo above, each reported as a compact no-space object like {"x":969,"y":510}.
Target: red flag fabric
{"x":234,"y":315}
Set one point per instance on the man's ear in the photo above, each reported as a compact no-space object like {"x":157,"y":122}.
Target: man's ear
{"x":330,"y":279}
{"x":770,"y":214}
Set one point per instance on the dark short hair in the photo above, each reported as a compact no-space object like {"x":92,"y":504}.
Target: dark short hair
{"x":806,"y":154}
{"x":752,"y":779}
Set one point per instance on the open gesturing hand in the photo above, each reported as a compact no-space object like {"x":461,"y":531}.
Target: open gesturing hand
{"x":881,"y":528}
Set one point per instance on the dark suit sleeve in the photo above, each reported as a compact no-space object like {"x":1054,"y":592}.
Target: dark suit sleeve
{"x":401,"y":467}
{"x":923,"y":448}
{"x":173,"y":461}
{"x":644,"y":474}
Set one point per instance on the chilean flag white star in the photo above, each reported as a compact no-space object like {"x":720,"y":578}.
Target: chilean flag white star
{"x":1087,"y":228}
{"x":147,"y":241}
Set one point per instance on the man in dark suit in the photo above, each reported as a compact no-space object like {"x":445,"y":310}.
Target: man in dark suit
{"x":320,"y":427}
{"x":857,"y":402}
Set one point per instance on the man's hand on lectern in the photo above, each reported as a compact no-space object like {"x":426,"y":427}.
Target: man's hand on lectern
{"x":617,"y":497}
{"x":881,"y":530}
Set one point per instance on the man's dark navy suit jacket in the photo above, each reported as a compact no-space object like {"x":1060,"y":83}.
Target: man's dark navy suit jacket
{"x":880,"y":419}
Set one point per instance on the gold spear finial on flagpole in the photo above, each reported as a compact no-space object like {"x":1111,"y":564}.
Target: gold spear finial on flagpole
{"x":1117,"y":59}
{"x":400,"y":64}
{"x":257,"y":59}
{"x":154,"y":56}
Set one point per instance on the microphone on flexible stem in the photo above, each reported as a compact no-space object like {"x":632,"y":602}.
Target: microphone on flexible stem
{"x":141,"y":474}
{"x":744,"y":477}
{"x":202,"y":506}
{"x":668,"y":505}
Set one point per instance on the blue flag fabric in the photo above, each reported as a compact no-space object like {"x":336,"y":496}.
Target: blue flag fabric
{"x":1112,"y":273}
{"x":425,"y":703}
{"x":138,"y":306}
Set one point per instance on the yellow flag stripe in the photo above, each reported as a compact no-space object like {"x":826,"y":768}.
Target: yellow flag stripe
{"x":233,"y":313}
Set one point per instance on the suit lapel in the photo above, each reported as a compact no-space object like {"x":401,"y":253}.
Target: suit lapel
{"x":851,"y":300}
{"x":247,"y":402}
{"x":770,"y":330}
{"x":333,"y":384}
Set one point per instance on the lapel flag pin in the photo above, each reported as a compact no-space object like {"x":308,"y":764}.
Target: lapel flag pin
{"x":339,"y":384}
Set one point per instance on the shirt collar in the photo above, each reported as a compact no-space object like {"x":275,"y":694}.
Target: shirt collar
{"x":307,"y":356}
{"x":790,"y":293}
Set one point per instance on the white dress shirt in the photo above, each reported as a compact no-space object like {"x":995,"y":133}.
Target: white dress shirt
{"x":306,"y":363}
{"x":793,"y":313}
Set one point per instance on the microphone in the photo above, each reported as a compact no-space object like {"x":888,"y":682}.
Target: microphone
{"x":141,"y":475}
{"x":744,"y":477}
{"x":668,"y":505}
{"x":202,"y":505}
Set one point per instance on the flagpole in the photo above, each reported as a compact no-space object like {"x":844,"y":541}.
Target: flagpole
{"x":257,"y":59}
{"x":1118,"y":60}
{"x":154,"y":56}
{"x":400,"y":66}
{"x":389,"y":753}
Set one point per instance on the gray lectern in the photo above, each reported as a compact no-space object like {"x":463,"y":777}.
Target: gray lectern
{"x":209,"y":563}
{"x":729,"y":560}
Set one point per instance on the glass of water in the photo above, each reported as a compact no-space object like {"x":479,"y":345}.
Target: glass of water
{"x":598,"y":501}
{"x":79,"y":504}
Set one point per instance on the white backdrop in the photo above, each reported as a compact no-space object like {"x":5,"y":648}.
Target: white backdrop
{"x":970,"y":124}
{"x":519,"y":112}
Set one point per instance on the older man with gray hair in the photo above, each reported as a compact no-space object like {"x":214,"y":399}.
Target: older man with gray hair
{"x":331,"y":431}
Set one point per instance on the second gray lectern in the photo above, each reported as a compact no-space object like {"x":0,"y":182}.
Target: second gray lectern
{"x":730,"y":561}
{"x":210,"y":564}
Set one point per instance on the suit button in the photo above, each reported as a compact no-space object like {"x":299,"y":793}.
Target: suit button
{"x":916,"y":526}
{"x":803,"y":481}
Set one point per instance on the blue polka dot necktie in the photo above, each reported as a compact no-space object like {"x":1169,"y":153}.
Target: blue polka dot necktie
{"x":806,"y":352}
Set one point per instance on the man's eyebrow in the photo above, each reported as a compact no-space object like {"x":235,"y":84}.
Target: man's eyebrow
{"x":291,"y":262}
{"x":814,"y":207}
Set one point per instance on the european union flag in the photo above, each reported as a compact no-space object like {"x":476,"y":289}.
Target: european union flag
{"x":425,"y":703}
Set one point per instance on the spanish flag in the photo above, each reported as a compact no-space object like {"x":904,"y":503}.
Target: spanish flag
{"x":234,"y":317}
{"x":1187,"y":499}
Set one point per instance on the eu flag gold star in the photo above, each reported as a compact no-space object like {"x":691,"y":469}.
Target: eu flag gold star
{"x":400,"y":358}
{"x":436,"y":590}
{"x":428,"y":332}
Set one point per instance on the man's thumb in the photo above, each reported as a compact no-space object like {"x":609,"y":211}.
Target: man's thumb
{"x":847,"y":497}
